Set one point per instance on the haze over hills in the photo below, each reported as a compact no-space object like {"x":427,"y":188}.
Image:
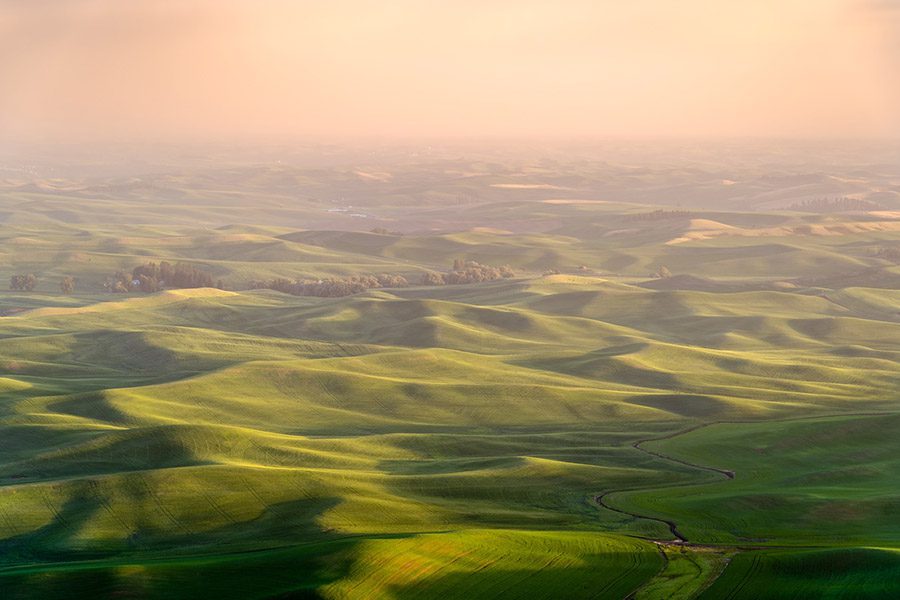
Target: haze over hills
{"x":445,"y":186}
{"x":359,"y":300}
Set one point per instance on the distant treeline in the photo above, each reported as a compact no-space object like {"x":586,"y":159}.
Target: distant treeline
{"x":467,"y":272}
{"x":336,"y":287}
{"x":889,"y":253}
{"x":153,"y":277}
{"x":660,"y":214}
{"x":842,"y":204}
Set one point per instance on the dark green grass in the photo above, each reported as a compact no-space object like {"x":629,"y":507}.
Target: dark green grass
{"x":859,"y":573}
{"x":473,"y":564}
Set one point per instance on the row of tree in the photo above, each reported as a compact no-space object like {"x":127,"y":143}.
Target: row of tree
{"x":385,"y":231}
{"x":462,"y":272}
{"x":660,"y":214}
{"x":333,"y":287}
{"x":467,"y":272}
{"x":153,"y":277}
{"x":891,"y":253}
{"x":841,"y":204}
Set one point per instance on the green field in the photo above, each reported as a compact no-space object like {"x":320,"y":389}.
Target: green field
{"x":476,"y":563}
{"x":845,"y":573}
{"x":580,"y":430}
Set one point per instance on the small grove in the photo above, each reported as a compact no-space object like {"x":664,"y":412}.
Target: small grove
{"x":153,"y":277}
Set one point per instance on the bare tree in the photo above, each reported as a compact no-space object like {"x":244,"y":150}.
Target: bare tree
{"x":67,"y":285}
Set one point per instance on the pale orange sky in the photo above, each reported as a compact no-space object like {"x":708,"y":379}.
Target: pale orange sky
{"x":109,"y":69}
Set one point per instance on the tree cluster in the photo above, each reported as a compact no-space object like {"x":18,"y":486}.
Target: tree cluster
{"x":467,"y":272}
{"x":67,"y":285}
{"x":153,"y":277}
{"x":120,"y":283}
{"x":889,"y":253}
{"x":828,"y":205}
{"x":23,"y":283}
{"x":333,"y":287}
{"x":385,"y":231}
{"x":660,"y":214}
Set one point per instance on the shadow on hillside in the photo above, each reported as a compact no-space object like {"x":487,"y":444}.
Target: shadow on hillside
{"x":68,"y":534}
{"x":683,"y":405}
{"x":55,"y":540}
{"x":606,"y":364}
{"x":95,"y":406}
{"x":92,"y":454}
{"x":279,"y":554}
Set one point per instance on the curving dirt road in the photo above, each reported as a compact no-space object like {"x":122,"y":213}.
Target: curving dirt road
{"x":600,"y":499}
{"x":679,"y":539}
{"x":637,"y":446}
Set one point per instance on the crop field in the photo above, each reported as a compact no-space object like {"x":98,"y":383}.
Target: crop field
{"x":589,"y":425}
{"x":476,"y":563}
{"x":845,"y":573}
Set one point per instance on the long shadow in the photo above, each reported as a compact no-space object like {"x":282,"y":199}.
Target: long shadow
{"x":52,"y":542}
{"x":280,"y":554}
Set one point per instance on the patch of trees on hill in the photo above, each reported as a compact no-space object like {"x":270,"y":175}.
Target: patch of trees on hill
{"x":889,"y":253}
{"x":829,"y":205}
{"x":28,"y":282}
{"x":334,"y":287}
{"x":23,"y":283}
{"x":467,"y":272}
{"x":385,"y":231}
{"x":660,"y":214}
{"x":67,"y":285}
{"x":153,"y":277}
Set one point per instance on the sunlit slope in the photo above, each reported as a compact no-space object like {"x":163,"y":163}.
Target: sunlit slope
{"x":491,"y":564}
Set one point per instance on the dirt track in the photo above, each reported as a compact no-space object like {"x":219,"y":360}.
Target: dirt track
{"x":600,"y":499}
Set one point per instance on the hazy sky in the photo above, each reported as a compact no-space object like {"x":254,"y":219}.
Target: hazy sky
{"x":222,"y":68}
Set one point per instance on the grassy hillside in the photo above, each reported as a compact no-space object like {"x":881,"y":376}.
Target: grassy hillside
{"x":582,"y":429}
